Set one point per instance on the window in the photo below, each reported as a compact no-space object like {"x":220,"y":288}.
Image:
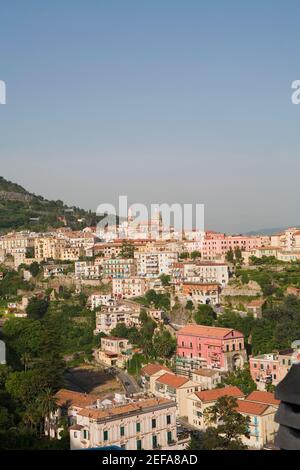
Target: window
{"x":191,"y":345}
{"x":139,"y":444}
{"x":85,"y":434}
{"x":262,"y":367}
{"x":240,"y":345}
{"x":154,"y":442}
{"x":255,"y":365}
{"x":122,"y":431}
{"x":105,"y":435}
{"x":138,"y":427}
{"x":227,"y":347}
{"x":75,"y":435}
{"x":168,"y":419}
{"x":169,"y":436}
{"x":233,"y":347}
{"x":274,"y":376}
{"x":153,"y":423}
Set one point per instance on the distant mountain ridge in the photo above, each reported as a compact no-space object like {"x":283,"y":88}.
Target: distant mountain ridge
{"x":270,"y":231}
{"x":22,"y":210}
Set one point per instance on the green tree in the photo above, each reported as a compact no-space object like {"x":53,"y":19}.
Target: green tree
{"x":165,"y":280}
{"x":164,"y":344}
{"x":195,"y":254}
{"x":232,"y":425}
{"x":37,"y":308}
{"x":127,"y":250}
{"x":204,"y":315}
{"x":242,"y":379}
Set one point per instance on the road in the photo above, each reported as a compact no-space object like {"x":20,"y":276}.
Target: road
{"x":129,"y":383}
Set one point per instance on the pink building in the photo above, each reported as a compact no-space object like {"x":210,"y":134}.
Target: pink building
{"x":206,"y":346}
{"x":270,"y":368}
{"x":218,"y":244}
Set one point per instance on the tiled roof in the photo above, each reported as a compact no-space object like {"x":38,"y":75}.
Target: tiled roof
{"x":263,"y":397}
{"x":151,"y":369}
{"x":251,"y":408}
{"x":206,"y":372}
{"x":208,"y":331}
{"x":174,"y":381}
{"x":69,"y":398}
{"x":213,"y":395}
{"x":128,"y":409}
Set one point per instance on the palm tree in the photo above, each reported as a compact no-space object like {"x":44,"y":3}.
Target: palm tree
{"x":25,"y":360}
{"x":47,"y":404}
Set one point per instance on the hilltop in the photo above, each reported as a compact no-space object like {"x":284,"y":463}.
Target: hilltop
{"x":22,"y":210}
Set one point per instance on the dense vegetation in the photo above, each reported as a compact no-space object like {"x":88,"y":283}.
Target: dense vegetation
{"x":20,"y":210}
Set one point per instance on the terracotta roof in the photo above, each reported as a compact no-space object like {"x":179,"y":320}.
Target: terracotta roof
{"x":251,"y":408}
{"x":213,"y":395}
{"x":130,"y":408}
{"x":69,"y":398}
{"x":208,"y":331}
{"x":256,"y":303}
{"x":267,"y":398}
{"x":151,"y":369}
{"x":76,"y":427}
{"x":172,"y":380}
{"x":206,"y":372}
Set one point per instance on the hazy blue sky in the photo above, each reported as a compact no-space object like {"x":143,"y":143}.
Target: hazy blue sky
{"x":163,"y":100}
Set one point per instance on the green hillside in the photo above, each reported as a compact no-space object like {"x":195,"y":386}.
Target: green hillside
{"x":22,"y":210}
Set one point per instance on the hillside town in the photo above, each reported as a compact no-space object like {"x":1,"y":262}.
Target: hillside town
{"x":159,"y":336}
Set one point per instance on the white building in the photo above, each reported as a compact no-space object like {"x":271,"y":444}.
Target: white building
{"x":128,"y":287}
{"x":145,"y":424}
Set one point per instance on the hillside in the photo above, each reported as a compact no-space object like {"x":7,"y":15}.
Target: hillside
{"x":22,"y":210}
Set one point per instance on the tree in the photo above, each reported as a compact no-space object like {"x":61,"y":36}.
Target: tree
{"x":164,"y":343}
{"x":165,"y":280}
{"x":34,"y":268}
{"x":241,"y":378}
{"x":205,"y":315}
{"x":229,"y":256}
{"x":195,"y":254}
{"x":37,"y":308}
{"x":189,"y":305}
{"x":231,"y":425}
{"x":47,"y":404}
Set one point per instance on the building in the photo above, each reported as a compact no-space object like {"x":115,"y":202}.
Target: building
{"x":87,"y":270}
{"x":207,"y":379}
{"x":199,"y":292}
{"x":270,"y":368}
{"x":255,"y":307}
{"x":97,"y":300}
{"x":150,"y":373}
{"x":216,"y":245}
{"x":128,"y":287}
{"x":118,"y":268}
{"x":201,"y":346}
{"x":154,"y":264}
{"x":109,"y":317}
{"x":198,"y":402}
{"x":145,"y":424}
{"x":206,"y":272}
{"x":174,"y":387}
{"x":114,"y":351}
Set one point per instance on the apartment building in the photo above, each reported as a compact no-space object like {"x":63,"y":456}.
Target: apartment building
{"x":174,"y":387}
{"x":97,"y":300}
{"x":109,"y":317}
{"x":270,"y":368}
{"x":198,"y":402}
{"x":206,"y":379}
{"x":118,"y":268}
{"x":129,"y":287}
{"x":287,"y":240}
{"x":154,"y":264}
{"x":145,"y":424}
{"x":206,"y":272}
{"x":87,"y":270}
{"x":216,"y":244}
{"x":201,"y":346}
{"x":17,"y":240}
